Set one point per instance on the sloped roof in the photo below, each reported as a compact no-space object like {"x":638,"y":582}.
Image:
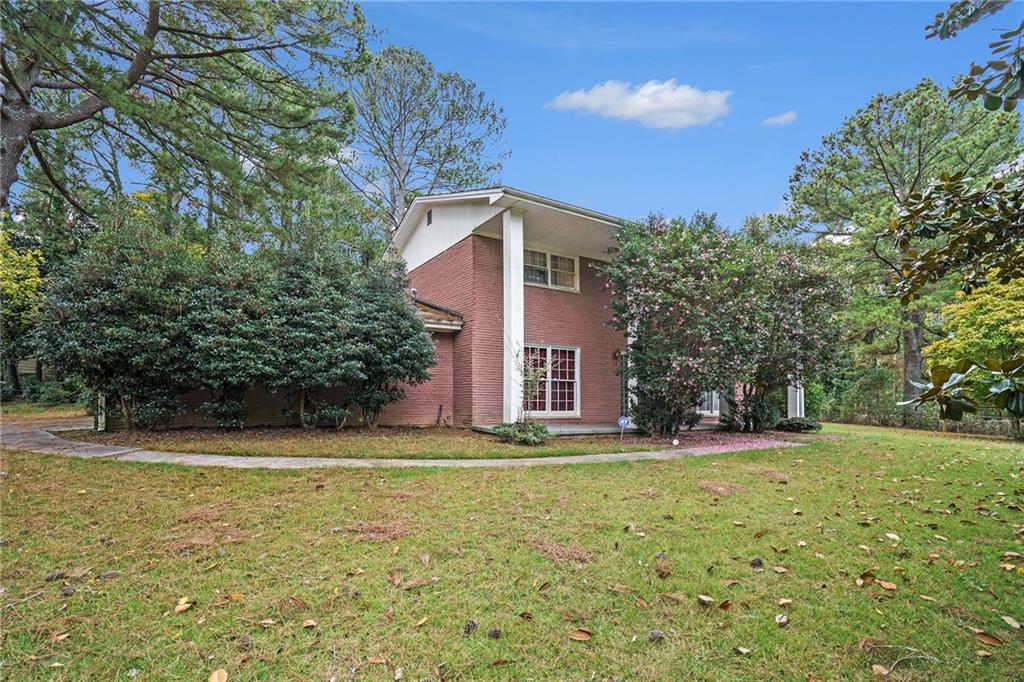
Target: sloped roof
{"x":436,"y":317}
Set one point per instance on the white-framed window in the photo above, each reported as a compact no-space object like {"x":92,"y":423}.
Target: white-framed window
{"x":557,"y":393}
{"x":545,"y":269}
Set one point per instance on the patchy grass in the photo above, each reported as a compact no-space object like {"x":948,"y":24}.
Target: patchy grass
{"x":391,"y":564}
{"x":404,"y":443}
{"x":20,"y":408}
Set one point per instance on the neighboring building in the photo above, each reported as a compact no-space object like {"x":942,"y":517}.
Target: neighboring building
{"x":521,"y":272}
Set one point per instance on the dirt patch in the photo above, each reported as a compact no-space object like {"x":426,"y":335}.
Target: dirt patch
{"x":553,"y":550}
{"x":380,"y":531}
{"x":721,"y":488}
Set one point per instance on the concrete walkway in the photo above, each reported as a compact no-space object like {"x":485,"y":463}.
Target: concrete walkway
{"x":41,"y":436}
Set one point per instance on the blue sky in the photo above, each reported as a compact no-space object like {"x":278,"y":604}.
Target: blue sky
{"x":627,"y":148}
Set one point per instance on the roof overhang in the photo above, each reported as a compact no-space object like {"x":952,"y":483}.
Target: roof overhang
{"x":500,"y":197}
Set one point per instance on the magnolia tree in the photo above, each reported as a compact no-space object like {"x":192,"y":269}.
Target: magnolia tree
{"x":705,"y":309}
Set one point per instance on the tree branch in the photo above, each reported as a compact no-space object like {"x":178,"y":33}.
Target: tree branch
{"x":48,"y":172}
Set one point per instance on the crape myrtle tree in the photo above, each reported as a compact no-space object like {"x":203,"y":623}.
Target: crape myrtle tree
{"x":672,"y":282}
{"x":850,"y":188}
{"x":708,"y":310}
{"x":114,"y":313}
{"x":786,"y":324}
{"x":208,"y":99}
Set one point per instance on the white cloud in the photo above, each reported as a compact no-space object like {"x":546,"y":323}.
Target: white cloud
{"x":783,"y":119}
{"x":656,"y":104}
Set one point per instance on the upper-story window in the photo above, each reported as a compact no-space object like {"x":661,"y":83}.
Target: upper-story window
{"x":550,"y":270}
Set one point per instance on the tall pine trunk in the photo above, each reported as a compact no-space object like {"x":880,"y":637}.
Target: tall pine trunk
{"x":913,"y":360}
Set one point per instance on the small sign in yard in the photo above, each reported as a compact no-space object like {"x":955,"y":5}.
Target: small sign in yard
{"x":624,"y":424}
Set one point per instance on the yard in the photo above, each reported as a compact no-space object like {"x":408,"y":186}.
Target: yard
{"x":867,"y":547}
{"x":401,"y":443}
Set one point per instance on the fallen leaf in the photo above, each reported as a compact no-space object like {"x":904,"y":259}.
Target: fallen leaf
{"x":742,"y":650}
{"x":893,"y":536}
{"x":780,"y":569}
{"x":784,"y":602}
{"x":986,"y":638}
{"x":183,"y":605}
{"x":266,"y":622}
{"x":926,"y":597}
{"x":421,"y":622}
{"x":886,"y":585}
{"x":797,"y":512}
{"x":642,"y":603}
{"x":309,"y":623}
{"x":725,"y":605}
{"x":879,"y":670}
{"x":526,"y":615}
{"x":424,"y":558}
{"x":1011,"y":622}
{"x":218,"y":675}
{"x":781,"y":619}
{"x":580,"y":634}
{"x":399,"y":672}
{"x":619,"y":588}
{"x":982,"y":653}
{"x":801,"y":543}
{"x":376,"y":660}
{"x":705,"y":600}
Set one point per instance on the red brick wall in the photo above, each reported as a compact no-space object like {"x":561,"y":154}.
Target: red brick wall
{"x":580,"y":319}
{"x":419,"y":407}
{"x":468,"y":278}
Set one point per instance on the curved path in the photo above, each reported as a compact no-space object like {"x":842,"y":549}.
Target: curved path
{"x":40,"y":436}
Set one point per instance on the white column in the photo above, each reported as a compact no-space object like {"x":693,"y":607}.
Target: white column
{"x":512,"y":260}
{"x":795,"y":401}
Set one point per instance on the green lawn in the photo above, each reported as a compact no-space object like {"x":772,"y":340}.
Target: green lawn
{"x":403,"y":443}
{"x":390,"y":564}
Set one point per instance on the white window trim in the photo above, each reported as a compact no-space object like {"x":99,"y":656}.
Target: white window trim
{"x":548,"y":414}
{"x":549,"y":254}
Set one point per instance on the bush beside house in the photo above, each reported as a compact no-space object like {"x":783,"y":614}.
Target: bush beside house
{"x":144,"y":316}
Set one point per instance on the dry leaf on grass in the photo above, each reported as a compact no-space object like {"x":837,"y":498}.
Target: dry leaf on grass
{"x":580,"y":634}
{"x":886,"y":585}
{"x":309,"y":623}
{"x":742,"y":650}
{"x":1012,"y":622}
{"x":705,"y":600}
{"x":879,"y":670}
{"x":218,"y":675}
{"x":986,"y":638}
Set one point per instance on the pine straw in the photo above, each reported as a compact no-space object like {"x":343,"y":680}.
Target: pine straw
{"x":380,"y":531}
{"x":554,"y":550}
{"x":721,"y":488}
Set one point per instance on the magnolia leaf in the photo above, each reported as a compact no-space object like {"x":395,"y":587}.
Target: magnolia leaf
{"x":580,"y":634}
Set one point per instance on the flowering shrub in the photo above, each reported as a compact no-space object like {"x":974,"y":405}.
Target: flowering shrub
{"x":706,"y":309}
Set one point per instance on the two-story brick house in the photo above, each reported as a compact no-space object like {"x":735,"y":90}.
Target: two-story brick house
{"x":522,"y":273}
